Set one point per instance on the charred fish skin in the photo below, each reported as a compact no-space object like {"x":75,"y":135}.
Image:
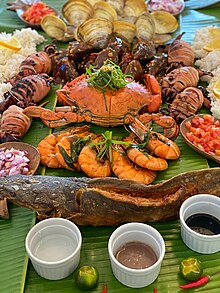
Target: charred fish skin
{"x":107,"y":201}
{"x":47,"y":195}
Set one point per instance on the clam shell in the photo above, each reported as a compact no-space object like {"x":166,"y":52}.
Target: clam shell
{"x":145,"y":26}
{"x":54,"y":26}
{"x":134,"y":8}
{"x":93,"y":2}
{"x":125,"y":28}
{"x":118,"y":5}
{"x":104,"y":10}
{"x":95,"y":32}
{"x":76,"y":12}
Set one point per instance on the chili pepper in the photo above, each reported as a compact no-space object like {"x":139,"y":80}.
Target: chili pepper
{"x":104,"y":289}
{"x":155,"y":290}
{"x":202,"y":281}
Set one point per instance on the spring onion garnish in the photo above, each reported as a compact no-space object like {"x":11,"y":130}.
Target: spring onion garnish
{"x":107,"y":144}
{"x":109,"y":76}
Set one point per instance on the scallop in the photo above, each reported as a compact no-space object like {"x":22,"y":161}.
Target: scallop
{"x":76,"y":12}
{"x":118,"y":5}
{"x":104,"y":10}
{"x":145,"y":26}
{"x":95,"y":32}
{"x":134,"y":8}
{"x":125,"y":28}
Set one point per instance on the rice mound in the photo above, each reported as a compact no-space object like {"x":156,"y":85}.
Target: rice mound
{"x":209,"y":62}
{"x":10,"y":60}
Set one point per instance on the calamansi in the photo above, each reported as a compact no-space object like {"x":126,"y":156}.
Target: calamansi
{"x":87,"y":277}
{"x":12,"y":44}
{"x":191,"y":268}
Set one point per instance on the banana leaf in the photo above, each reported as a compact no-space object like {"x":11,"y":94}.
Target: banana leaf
{"x":17,"y":275}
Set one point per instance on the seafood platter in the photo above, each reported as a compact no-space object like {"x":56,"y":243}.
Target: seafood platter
{"x":106,"y":93}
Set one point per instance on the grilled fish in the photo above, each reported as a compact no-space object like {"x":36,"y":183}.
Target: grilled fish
{"x":107,"y":201}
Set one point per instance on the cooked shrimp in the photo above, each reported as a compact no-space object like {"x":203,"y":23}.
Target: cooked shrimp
{"x":124,"y":169}
{"x":90,"y":164}
{"x":145,"y":160}
{"x":48,"y":155}
{"x":49,"y":151}
{"x":163,"y":147}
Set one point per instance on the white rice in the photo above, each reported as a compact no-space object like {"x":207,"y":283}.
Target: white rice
{"x":202,"y":37}
{"x":10,"y":60}
{"x":209,"y":62}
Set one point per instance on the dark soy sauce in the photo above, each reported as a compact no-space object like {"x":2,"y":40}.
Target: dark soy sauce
{"x":136,"y":255}
{"x":204,"y":224}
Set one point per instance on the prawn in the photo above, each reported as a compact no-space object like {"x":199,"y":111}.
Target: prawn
{"x":162,"y":146}
{"x":49,"y":151}
{"x":124,"y":169}
{"x":145,"y":160}
{"x":91,"y":165}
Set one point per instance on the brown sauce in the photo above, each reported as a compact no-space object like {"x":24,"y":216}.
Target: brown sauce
{"x":136,"y":255}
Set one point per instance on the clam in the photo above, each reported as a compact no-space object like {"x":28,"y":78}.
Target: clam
{"x":57,"y":29}
{"x":76,"y":12}
{"x":145,"y":26}
{"x":93,"y":2}
{"x":125,"y":28}
{"x":95,"y":32}
{"x":104,"y":10}
{"x":134,"y":7}
{"x":118,"y":5}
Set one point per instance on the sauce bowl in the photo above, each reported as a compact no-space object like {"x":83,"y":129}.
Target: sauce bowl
{"x":200,"y":204}
{"x":53,"y":246}
{"x":136,"y":232}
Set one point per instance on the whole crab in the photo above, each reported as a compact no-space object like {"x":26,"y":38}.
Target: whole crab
{"x":109,"y":107}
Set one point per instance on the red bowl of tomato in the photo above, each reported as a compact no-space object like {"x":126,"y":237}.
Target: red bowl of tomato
{"x":202,"y":133}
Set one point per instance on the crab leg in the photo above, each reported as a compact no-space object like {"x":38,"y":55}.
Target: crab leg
{"x":63,"y":115}
{"x":154,"y":88}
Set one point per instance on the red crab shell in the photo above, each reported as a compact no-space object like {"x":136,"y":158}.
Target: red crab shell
{"x":109,"y":108}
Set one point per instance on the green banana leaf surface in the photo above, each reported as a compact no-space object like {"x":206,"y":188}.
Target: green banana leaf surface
{"x":17,"y":274}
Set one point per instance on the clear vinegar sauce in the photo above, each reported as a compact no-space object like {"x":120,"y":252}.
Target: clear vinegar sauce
{"x":54,"y":247}
{"x":136,"y":255}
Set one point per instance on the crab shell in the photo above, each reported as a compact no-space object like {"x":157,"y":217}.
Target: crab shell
{"x":106,"y":109}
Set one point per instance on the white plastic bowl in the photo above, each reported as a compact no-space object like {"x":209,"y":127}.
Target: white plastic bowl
{"x":53,"y":246}
{"x":136,"y":278}
{"x":201,"y":203}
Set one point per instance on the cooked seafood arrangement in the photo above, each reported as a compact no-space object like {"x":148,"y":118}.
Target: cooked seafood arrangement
{"x":107,"y":201}
{"x":115,"y":70}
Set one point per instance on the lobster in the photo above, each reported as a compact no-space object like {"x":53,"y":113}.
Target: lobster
{"x":26,"y":91}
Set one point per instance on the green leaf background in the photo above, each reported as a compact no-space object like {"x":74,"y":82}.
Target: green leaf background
{"x":17,"y":274}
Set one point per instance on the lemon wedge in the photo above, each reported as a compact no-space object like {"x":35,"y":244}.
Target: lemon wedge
{"x":165,"y":22}
{"x":12,"y":44}
{"x":214,"y":31}
{"x":216,"y":88}
{"x":213,"y":45}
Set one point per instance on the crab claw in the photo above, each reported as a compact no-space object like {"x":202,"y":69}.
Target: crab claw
{"x":154,"y":88}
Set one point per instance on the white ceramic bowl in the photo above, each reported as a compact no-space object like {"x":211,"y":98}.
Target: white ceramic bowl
{"x":53,"y":246}
{"x":201,"y":203}
{"x":136,"y":278}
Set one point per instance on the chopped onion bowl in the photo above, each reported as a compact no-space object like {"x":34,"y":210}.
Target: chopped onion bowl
{"x":13,"y":161}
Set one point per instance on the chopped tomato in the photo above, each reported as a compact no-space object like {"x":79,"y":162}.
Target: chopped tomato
{"x":36,"y":12}
{"x":204,"y":132}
